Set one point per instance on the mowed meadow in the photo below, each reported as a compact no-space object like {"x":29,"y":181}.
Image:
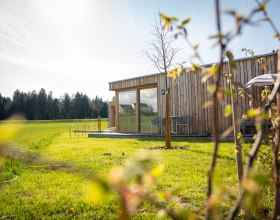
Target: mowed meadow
{"x":52,"y":172}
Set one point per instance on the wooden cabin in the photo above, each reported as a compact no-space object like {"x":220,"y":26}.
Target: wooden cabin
{"x":139,"y":101}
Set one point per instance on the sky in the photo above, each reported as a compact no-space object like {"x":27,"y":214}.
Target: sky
{"x":81,"y":45}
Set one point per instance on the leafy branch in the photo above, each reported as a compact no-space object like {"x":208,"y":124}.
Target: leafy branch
{"x":256,"y":147}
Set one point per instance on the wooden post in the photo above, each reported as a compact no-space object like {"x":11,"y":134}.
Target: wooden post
{"x":117,"y":111}
{"x":138,"y":124}
{"x":236,"y":129}
{"x":99,"y":123}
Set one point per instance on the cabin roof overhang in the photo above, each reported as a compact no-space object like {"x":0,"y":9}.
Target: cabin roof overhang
{"x":152,"y":79}
{"x":146,"y":81}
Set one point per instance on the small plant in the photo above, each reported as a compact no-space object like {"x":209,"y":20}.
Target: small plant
{"x":135,"y":183}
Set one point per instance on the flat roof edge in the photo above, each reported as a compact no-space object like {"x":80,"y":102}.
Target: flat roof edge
{"x":204,"y":65}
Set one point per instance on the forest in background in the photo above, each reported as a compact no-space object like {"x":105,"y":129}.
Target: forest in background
{"x":43,"y":106}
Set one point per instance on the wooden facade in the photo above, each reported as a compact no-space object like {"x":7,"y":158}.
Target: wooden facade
{"x":189,"y":94}
{"x":111,"y":113}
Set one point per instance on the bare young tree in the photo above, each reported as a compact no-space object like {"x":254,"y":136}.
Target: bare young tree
{"x":161,"y":54}
{"x":97,"y":105}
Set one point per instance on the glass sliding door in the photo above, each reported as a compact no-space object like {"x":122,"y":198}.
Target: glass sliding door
{"x":148,"y":110}
{"x":127,"y":111}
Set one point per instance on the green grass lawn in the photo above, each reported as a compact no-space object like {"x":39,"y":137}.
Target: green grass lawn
{"x":55,"y":170}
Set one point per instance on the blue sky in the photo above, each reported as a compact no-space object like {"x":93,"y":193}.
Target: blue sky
{"x":81,"y":45}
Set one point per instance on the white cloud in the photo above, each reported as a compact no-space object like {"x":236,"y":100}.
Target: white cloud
{"x":65,"y":45}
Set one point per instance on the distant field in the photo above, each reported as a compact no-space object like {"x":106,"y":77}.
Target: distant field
{"x":44,"y":189}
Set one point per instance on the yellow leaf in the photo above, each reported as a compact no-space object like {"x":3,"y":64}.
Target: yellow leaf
{"x":157,"y":171}
{"x":9,"y":128}
{"x":194,"y":67}
{"x":163,"y":16}
{"x":227,"y":111}
{"x":211,"y":88}
{"x":213,"y":69}
{"x":170,"y":74}
{"x":252,"y":112}
{"x":96,"y":192}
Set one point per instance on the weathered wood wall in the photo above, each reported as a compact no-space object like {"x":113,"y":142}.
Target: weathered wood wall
{"x":111,"y":113}
{"x":188,"y":94}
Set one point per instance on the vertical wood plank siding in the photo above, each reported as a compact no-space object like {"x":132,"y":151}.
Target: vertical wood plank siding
{"x":189,"y":94}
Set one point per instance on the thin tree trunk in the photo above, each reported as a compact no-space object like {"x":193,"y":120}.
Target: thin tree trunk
{"x":214,"y":112}
{"x":167,"y":123}
{"x":99,"y":123}
{"x":236,"y":129}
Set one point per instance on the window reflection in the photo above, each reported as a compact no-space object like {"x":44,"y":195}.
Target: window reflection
{"x":148,"y":109}
{"x":127,"y":111}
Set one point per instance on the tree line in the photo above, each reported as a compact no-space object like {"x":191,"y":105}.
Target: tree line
{"x":43,"y":106}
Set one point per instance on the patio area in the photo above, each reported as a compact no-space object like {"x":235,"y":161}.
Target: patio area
{"x":191,"y":137}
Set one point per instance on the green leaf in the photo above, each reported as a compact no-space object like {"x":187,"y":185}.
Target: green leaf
{"x":196,"y":46}
{"x":241,"y":93}
{"x":264,"y":5}
{"x":253,"y":112}
{"x":227,"y":111}
{"x":163,"y":16}
{"x":260,"y":178}
{"x":174,"y":19}
{"x":239,"y":136}
{"x":230,"y":12}
{"x":187,"y":20}
{"x":277,"y":36}
{"x":187,"y":214}
{"x":229,"y":56}
{"x":176,"y":190}
{"x":227,"y":92}
{"x":264,"y":115}
{"x":219,"y":36}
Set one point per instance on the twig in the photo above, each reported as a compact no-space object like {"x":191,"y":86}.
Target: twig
{"x":169,"y":211}
{"x":269,"y":20}
{"x":11,"y":180}
{"x":214,"y":110}
{"x":252,"y":156}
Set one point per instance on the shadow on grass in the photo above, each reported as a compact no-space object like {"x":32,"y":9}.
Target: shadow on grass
{"x":210,"y":154}
{"x":18,"y":161}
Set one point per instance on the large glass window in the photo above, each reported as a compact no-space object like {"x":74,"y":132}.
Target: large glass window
{"x":148,"y":110}
{"x":127,"y":111}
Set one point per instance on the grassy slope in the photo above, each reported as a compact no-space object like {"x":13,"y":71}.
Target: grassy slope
{"x":44,"y":190}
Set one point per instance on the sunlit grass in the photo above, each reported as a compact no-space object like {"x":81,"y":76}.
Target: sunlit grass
{"x":54,"y":171}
